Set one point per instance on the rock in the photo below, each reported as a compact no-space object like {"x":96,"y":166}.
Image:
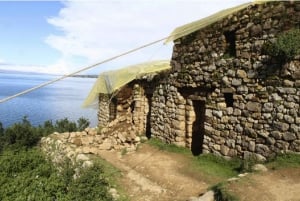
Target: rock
{"x":137,"y":139}
{"x":281,"y":126}
{"x":224,"y":150}
{"x":259,"y":168}
{"x":87,"y":164}
{"x":287,"y":136}
{"x":114,"y":193}
{"x":236,"y":82}
{"x":217,"y":113}
{"x":77,"y":141}
{"x":208,"y":196}
{"x":82,"y":157}
{"x":105,"y":145}
{"x":253,"y":106}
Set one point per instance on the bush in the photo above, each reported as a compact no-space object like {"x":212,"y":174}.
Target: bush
{"x":21,"y":135}
{"x":82,"y":123}
{"x":286,"y":47}
{"x":91,"y":185}
{"x":64,"y":125}
{"x":26,"y":175}
{"x":24,"y":135}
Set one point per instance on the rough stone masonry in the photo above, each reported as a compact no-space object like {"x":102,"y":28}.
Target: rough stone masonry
{"x":224,"y":95}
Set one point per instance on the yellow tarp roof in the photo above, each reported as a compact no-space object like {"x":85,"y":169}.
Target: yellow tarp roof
{"x":110,"y":81}
{"x":199,"y":24}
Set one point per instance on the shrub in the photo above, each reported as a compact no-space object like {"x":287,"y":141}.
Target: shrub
{"x":64,"y":125}
{"x":82,"y":123}
{"x":91,"y":185}
{"x":27,"y":175}
{"x":21,"y":134}
{"x":286,"y":47}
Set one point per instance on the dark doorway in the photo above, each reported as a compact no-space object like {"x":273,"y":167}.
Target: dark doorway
{"x":198,"y":127}
{"x":148,"y":118}
{"x":113,"y":109}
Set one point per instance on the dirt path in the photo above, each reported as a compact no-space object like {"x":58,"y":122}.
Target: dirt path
{"x":151,"y":174}
{"x":154,"y":175}
{"x":279,"y":185}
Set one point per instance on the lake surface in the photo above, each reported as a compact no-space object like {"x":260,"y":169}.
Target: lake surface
{"x":53,"y":102}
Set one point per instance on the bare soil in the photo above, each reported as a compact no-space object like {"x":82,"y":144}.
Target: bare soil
{"x":273,"y":185}
{"x":150,"y":174}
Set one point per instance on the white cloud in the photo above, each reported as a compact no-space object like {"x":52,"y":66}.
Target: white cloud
{"x":96,"y":30}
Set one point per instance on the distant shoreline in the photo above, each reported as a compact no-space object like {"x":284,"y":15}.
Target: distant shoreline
{"x":85,"y":76}
{"x":35,"y":73}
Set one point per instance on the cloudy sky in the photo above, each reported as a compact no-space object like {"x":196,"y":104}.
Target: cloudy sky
{"x":64,"y":36}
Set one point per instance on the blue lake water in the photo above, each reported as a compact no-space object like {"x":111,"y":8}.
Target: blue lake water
{"x":60,"y":100}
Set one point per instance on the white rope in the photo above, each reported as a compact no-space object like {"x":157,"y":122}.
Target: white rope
{"x":81,"y":70}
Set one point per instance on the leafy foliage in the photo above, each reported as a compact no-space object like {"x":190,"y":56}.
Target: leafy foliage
{"x":23,"y":134}
{"x":26,"y":175}
{"x":286,"y":47}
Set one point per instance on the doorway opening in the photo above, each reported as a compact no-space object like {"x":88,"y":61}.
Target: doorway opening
{"x":198,"y":127}
{"x":113,"y":109}
{"x":148,"y":117}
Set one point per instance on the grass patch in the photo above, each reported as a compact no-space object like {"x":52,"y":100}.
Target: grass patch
{"x":217,"y":166}
{"x":284,"y":161}
{"x":168,"y":147}
{"x":222,"y":194}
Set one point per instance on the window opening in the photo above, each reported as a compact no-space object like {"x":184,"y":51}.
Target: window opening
{"x":230,"y":43}
{"x":228,"y":99}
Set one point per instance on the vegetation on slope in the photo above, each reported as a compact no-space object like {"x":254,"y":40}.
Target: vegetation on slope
{"x":25,"y":174}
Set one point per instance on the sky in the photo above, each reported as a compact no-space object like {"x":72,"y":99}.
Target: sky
{"x":60,"y":37}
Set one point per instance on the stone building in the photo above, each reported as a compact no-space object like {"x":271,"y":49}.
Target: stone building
{"x":124,"y":96}
{"x":224,"y":95}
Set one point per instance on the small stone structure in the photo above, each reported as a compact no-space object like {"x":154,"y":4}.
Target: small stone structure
{"x":224,"y":95}
{"x":129,"y":107}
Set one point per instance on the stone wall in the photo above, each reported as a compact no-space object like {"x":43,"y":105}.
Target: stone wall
{"x":131,"y":110}
{"x":224,"y":95}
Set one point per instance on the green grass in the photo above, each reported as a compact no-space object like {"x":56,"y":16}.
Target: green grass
{"x":167,"y":147}
{"x":217,"y":166}
{"x":222,"y":194}
{"x":284,"y":161}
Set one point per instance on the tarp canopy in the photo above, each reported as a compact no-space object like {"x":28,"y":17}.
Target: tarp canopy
{"x":110,"y":81}
{"x":204,"y":22}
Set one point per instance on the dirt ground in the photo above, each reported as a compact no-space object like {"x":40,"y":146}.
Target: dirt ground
{"x":273,"y":185}
{"x":154,"y":175}
{"x":151,"y":174}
